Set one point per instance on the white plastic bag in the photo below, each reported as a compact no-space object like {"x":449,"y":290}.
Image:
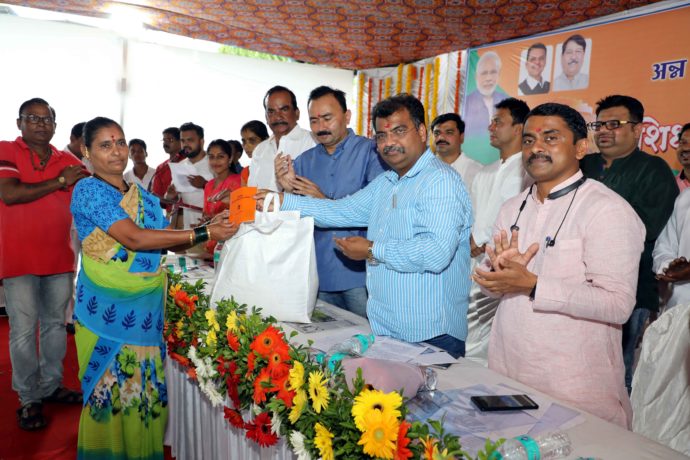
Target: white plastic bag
{"x":271,"y":264}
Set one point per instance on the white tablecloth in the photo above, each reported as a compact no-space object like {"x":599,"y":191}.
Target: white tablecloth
{"x":197,"y":431}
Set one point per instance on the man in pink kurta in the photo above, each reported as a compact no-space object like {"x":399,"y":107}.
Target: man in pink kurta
{"x":567,"y":277}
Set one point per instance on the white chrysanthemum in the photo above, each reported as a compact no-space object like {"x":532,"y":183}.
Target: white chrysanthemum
{"x":297,"y":441}
{"x":211,"y":392}
{"x":275,"y":423}
{"x":254,"y":409}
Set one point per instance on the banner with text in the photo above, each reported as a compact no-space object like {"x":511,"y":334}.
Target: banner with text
{"x":645,"y":57}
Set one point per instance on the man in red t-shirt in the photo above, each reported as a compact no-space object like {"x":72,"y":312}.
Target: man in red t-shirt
{"x":36,"y":258}
{"x":163,"y":177}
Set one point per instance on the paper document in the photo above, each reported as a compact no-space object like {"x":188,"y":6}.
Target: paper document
{"x":180,"y":176}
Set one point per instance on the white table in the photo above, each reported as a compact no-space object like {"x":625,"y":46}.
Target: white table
{"x":197,"y":431}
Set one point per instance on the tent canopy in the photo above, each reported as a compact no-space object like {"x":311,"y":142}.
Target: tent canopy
{"x":353,"y":34}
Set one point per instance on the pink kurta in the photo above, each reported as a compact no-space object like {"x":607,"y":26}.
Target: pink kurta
{"x":567,"y":342}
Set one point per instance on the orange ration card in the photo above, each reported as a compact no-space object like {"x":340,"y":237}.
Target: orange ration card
{"x":242,"y":205}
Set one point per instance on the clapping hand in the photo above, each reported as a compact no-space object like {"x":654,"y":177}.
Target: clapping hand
{"x":509,"y":272}
{"x":677,"y":270}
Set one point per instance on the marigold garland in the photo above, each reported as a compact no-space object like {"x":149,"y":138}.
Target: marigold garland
{"x":360,"y":104}
{"x":399,"y":79}
{"x":434,"y":92}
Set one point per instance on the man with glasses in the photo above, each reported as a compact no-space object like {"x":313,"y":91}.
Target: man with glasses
{"x":288,"y":138}
{"x":417,"y":245}
{"x":572,"y":58}
{"x":647,"y":183}
{"x":36,"y":258}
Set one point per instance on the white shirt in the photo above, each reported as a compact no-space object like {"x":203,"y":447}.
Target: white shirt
{"x":467,"y":168}
{"x":674,"y":242}
{"x":533,"y":82}
{"x":262,"y":170}
{"x":132,"y":178}
{"x":195,"y":198}
{"x":563,"y":83}
{"x":492,"y":186}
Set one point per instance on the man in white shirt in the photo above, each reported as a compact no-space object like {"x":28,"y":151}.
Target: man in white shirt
{"x":289,"y":139}
{"x":572,"y":59}
{"x":192,"y":141}
{"x":494,"y":185}
{"x":672,"y":248}
{"x":535,"y":83}
{"x":449,"y":132}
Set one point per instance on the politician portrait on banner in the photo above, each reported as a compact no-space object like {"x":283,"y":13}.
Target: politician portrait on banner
{"x":535,"y":69}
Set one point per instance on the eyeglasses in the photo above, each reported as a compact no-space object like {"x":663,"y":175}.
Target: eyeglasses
{"x":610,"y":124}
{"x":396,"y":133}
{"x":34,"y":119}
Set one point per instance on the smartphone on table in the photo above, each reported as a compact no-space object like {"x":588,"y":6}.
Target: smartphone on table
{"x":503,"y":402}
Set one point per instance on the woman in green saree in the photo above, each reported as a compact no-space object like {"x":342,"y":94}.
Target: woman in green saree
{"x":119,"y":308}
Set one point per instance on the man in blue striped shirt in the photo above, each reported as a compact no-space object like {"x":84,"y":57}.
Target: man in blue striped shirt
{"x":419,"y":219}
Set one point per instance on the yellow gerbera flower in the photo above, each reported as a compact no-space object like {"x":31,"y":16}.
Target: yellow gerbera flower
{"x":211,"y":319}
{"x":380,"y":434}
{"x":299,"y":402}
{"x":296,"y":375}
{"x":211,"y":338}
{"x":368,"y":400}
{"x":178,"y":329}
{"x":232,"y":321}
{"x":323,"y":442}
{"x":318,"y":391}
{"x":174,"y":289}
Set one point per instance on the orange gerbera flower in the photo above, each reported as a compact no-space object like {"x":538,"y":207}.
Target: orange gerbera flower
{"x":278,"y":363}
{"x":269,"y":340}
{"x":233,"y":341}
{"x":430,"y":448}
{"x":179,"y":358}
{"x":282,"y":386}
{"x":185,"y":302}
{"x":401,"y":451}
{"x":262,"y":386}
{"x":191,"y":372}
{"x":234,"y":417}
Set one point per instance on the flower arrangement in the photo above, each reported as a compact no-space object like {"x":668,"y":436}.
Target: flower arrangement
{"x":272,"y":388}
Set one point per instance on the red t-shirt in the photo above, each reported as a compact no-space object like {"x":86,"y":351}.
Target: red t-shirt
{"x":163,"y":177}
{"x":35,"y":236}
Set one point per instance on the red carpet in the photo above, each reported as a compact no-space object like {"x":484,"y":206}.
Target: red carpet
{"x":56,"y":442}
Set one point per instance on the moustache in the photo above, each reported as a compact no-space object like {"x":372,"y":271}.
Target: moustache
{"x":278,"y":123}
{"x":392,"y":148}
{"x":442,"y":143}
{"x":323,"y":133}
{"x":538,"y":156}
{"x":573,"y":61}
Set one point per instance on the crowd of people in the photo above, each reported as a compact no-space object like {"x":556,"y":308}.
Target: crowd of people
{"x":544,"y":264}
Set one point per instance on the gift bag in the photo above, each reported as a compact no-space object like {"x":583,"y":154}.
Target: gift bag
{"x":271,"y":264}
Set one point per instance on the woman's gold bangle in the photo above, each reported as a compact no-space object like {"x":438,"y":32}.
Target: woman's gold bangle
{"x":191,"y":238}
{"x":208,"y":232}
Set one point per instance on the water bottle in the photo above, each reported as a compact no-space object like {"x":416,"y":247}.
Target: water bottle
{"x":354,"y":346}
{"x":216,"y":256}
{"x":546,"y":446}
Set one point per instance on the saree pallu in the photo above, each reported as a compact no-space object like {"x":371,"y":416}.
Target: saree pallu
{"x":119,"y":311}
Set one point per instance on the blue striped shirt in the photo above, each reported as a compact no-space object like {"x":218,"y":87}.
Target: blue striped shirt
{"x":420,"y":225}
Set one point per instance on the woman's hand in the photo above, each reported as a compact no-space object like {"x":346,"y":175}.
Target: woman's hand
{"x":222,"y":230}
